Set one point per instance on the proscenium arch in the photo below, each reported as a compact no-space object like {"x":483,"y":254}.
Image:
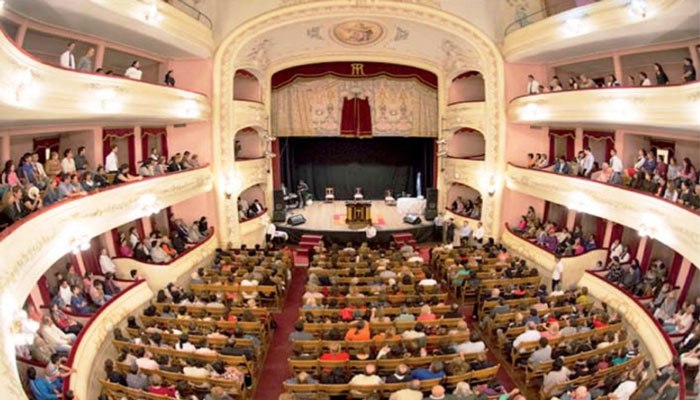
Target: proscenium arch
{"x":491,"y":68}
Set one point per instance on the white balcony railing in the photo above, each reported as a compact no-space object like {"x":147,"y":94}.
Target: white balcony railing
{"x":465,"y":115}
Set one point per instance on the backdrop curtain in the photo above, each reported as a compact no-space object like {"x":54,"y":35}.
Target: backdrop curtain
{"x":675,"y":268}
{"x":157,"y":133}
{"x":41,"y":145}
{"x":356,"y":118}
{"x":687,"y":284}
{"x":569,"y":136}
{"x":607,"y":137}
{"x":109,"y":135}
{"x":374,"y":164}
{"x":91,"y":256}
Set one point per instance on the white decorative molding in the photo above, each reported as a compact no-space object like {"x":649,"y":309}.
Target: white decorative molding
{"x":465,"y":115}
{"x":670,"y":108}
{"x":675,"y":226}
{"x":248,"y":114}
{"x":36,"y":93}
{"x":44,"y":238}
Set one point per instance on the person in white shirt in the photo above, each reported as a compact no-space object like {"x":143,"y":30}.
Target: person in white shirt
{"x":112,"y":160}
{"x":557,"y":273}
{"x":644,"y":79}
{"x":616,"y":165}
{"x":106,"y":263}
{"x":370,"y":232}
{"x":533,"y":87}
{"x":248,"y":281}
{"x":68,"y":163}
{"x":85,"y":63}
{"x":587,"y":163}
{"x":133,"y":237}
{"x":65,"y":292}
{"x":531,"y":334}
{"x":133,"y":72}
{"x":369,"y":378}
{"x":472,"y":346}
{"x":55,"y":337}
{"x":479,"y":232}
{"x":626,"y":389}
{"x":428,"y":280}
{"x":67,"y":57}
{"x":465,"y":233}
{"x":158,"y":255}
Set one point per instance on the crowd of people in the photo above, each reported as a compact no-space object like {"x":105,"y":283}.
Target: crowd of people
{"x":28,"y":185}
{"x":584,"y":82}
{"x":554,"y":238}
{"x":468,"y":208}
{"x":248,"y":211}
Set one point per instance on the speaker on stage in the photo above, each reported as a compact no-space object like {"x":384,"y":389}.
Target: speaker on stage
{"x":295,"y":220}
{"x":412,"y":219}
{"x":431,"y":207}
{"x":279,"y":213}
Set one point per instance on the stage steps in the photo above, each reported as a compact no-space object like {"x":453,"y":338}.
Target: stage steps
{"x":306,"y":244}
{"x":404,"y":238}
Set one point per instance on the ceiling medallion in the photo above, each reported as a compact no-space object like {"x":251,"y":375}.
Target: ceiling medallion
{"x":358,"y":33}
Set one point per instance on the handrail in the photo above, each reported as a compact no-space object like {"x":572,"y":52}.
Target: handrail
{"x":603,"y":88}
{"x":179,"y":256}
{"x":667,"y":338}
{"x":264,"y":212}
{"x":544,"y":11}
{"x":509,"y":229}
{"x":10,"y":229}
{"x":199,"y":16}
{"x":622,"y":187}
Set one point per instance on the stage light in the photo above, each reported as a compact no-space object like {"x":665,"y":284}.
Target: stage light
{"x":270,"y":138}
{"x":491,"y":186}
{"x":638,"y":8}
{"x":148,"y":205}
{"x":269,"y":155}
{"x":442,"y":154}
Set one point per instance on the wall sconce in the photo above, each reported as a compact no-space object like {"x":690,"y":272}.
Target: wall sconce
{"x":269,"y":155}
{"x":148,"y":205}
{"x":188,"y":109}
{"x":27,"y":89}
{"x":573,"y":26}
{"x":270,"y":138}
{"x":152,"y":13}
{"x":442,"y":154}
{"x":491,"y":187}
{"x":231,"y":185}
{"x":646,"y":231}
{"x":108,"y":101}
{"x":79,"y":243}
{"x":441,"y":142}
{"x":638,"y":8}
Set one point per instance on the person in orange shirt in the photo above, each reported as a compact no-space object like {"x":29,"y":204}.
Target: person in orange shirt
{"x":358,"y":332}
{"x":426,"y":314}
{"x":335,"y":353}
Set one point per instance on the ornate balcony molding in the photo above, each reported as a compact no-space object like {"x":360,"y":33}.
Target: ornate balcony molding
{"x":32,"y":245}
{"x":645,"y":327}
{"x":248,"y":114}
{"x":35,"y":93}
{"x":94,"y":335}
{"x":154,"y":26}
{"x":159,"y":275}
{"x":667,"y":222}
{"x":671,"y":108}
{"x":575,"y":266}
{"x":465,"y":115}
{"x":585,"y":29}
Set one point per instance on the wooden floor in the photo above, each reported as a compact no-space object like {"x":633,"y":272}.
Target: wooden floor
{"x":321,"y":216}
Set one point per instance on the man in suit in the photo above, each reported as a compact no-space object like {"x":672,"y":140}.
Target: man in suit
{"x":175,"y":163}
{"x":257,"y":207}
{"x":14,"y":210}
{"x":230,"y":349}
{"x":690,"y":341}
{"x":561,"y":166}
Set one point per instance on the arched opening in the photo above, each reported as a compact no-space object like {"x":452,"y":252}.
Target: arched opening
{"x":464,"y":200}
{"x":246,"y":86}
{"x":467,"y":143}
{"x":465,"y":88}
{"x":248,"y":144}
{"x":251,"y":203}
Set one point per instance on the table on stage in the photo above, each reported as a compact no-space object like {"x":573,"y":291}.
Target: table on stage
{"x":411,"y":205}
{"x":358,"y":211}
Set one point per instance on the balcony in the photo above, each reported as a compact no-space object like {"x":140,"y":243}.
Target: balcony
{"x":465,"y":115}
{"x":668,"y":108}
{"x":468,"y":172}
{"x":249,"y":114}
{"x":600,"y":27}
{"x":154,"y":26}
{"x":662,"y":220}
{"x":36,"y":93}
{"x":252,"y":172}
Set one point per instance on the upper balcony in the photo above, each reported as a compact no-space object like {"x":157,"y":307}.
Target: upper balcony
{"x":173,"y":31}
{"x":465,"y":115}
{"x":598,"y":27}
{"x":36,"y":93}
{"x":669,"y":108}
{"x":660,"y":219}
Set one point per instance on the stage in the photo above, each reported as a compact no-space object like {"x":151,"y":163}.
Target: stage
{"x":328,"y":219}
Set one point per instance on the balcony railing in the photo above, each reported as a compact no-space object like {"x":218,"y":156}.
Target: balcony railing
{"x":670,"y":107}
{"x":524,"y":17}
{"x":35,"y":93}
{"x":192,"y":12}
{"x":665,"y":221}
{"x":465,"y":115}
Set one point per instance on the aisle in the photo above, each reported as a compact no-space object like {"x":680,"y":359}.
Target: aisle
{"x":275,"y":369}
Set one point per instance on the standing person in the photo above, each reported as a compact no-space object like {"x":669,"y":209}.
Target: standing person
{"x":479,"y":233}
{"x":81,"y":162}
{"x":661,"y":77}
{"x":688,"y":70}
{"x":112,"y":160}
{"x":85,"y":63}
{"x":616,"y":165}
{"x":557,"y":273}
{"x":437,"y":224}
{"x":370,"y":233}
{"x":533,"y":87}
{"x":67,"y":57}
{"x":169,"y":78}
{"x":68,"y":163}
{"x":449,"y":230}
{"x":587,"y":163}
{"x":465,"y":233}
{"x":134,"y":71}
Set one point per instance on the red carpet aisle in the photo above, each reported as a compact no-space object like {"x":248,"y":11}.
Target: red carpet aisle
{"x":275,"y":370}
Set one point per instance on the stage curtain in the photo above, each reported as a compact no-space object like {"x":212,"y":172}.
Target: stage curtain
{"x":675,"y":268}
{"x":601,"y":225}
{"x":569,"y":136}
{"x":687,"y":284}
{"x":154,"y":132}
{"x":399,"y":107}
{"x":356,"y":118}
{"x":646,"y":255}
{"x":608,"y":137}
{"x":91,"y":257}
{"x":108,"y":135}
{"x":348,"y":70}
{"x":40,"y":146}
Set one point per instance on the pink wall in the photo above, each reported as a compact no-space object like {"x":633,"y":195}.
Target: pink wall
{"x":516,"y":78}
{"x":466,"y":89}
{"x":246,"y":87}
{"x":251,"y":144}
{"x":515,"y":205}
{"x":196,"y":207}
{"x":25,"y":143}
{"x":466,"y":144}
{"x":192,"y":75}
{"x":252,"y":193}
{"x":195,"y":137}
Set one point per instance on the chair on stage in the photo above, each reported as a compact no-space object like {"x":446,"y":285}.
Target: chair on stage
{"x":290,"y":199}
{"x":389,"y":199}
{"x":358,"y":194}
{"x":330,"y":195}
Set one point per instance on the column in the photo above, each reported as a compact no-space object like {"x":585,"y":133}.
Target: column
{"x":643,"y":241}
{"x":21,"y":34}
{"x":109,"y":243}
{"x":571,"y":220}
{"x":137,"y":147}
{"x":617,"y":68}
{"x":694,"y":55}
{"x":99,"y":55}
{"x":147,"y":227}
{"x":5,"y":147}
{"x":608,"y":234}
{"x":96,"y":145}
{"x":578,"y":140}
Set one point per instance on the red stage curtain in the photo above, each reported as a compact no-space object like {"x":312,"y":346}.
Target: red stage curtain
{"x":570,"y":136}
{"x":646,"y":255}
{"x":686,"y":285}
{"x":120,"y":133}
{"x":115,"y":239}
{"x":615,"y":234}
{"x":139,"y":228}
{"x":276,"y":165}
{"x":601,"y":225}
{"x":154,"y":132}
{"x":609,"y":138}
{"x":675,"y":268}
{"x":40,"y":145}
{"x":356,"y":118}
{"x":346,"y":70}
{"x":91,"y":257}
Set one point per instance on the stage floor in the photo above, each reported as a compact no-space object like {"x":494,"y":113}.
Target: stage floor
{"x":328,"y":219}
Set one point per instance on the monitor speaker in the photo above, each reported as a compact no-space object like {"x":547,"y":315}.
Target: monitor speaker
{"x":431,"y":206}
{"x":295,"y":220}
{"x":279,"y":213}
{"x":412,"y":219}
